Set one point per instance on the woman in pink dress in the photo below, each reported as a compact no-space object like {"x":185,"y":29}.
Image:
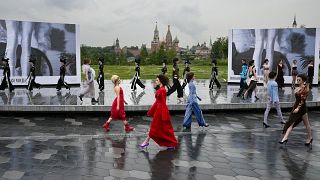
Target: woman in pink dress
{"x":161,"y":130}
{"x":117,"y":109}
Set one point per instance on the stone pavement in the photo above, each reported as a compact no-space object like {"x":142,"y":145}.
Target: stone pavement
{"x":235,"y":146}
{"x":47,"y":99}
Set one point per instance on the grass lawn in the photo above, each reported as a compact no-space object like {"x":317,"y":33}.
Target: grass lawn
{"x":151,"y":71}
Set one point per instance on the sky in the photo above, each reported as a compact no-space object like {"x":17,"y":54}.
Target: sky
{"x":133,"y":21}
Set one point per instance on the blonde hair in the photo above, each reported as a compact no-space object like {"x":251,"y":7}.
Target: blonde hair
{"x":115,"y":79}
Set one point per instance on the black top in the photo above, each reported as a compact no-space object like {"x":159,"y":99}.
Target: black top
{"x":186,"y":70}
{"x":100,"y":68}
{"x":175,"y":73}
{"x":164,"y":70}
{"x":62,"y":71}
{"x":6,"y":71}
{"x":214,"y":70}
{"x":32,"y":72}
{"x":310,"y":71}
{"x":137,"y":71}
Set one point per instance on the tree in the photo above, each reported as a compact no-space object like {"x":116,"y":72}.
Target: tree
{"x":171,"y":53}
{"x":144,"y":54}
{"x":220,"y":48}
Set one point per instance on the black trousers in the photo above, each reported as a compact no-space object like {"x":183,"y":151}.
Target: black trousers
{"x":212,"y":81}
{"x":135,"y":82}
{"x":243,"y":86}
{"x":185,"y":82}
{"x":100,"y":81}
{"x":6,"y":83}
{"x":32,"y":83}
{"x":310,"y":79}
{"x":252,"y":87}
{"x":176,"y":86}
{"x":61,"y":83}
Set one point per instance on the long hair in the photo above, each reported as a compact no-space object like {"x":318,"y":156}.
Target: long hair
{"x":163,"y":79}
{"x":304,"y":92}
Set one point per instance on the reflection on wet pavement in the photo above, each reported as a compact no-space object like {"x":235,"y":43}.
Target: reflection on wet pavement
{"x":234,"y":146}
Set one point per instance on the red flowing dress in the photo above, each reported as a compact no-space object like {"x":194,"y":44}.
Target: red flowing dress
{"x":115,"y":115}
{"x":161,"y":130}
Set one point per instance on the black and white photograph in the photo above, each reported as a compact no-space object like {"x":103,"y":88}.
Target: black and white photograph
{"x":45,"y":42}
{"x":278,"y":46}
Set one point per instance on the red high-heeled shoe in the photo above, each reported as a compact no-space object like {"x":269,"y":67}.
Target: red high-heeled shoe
{"x":106,"y":126}
{"x":128,"y":128}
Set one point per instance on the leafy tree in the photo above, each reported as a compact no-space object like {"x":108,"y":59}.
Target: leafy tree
{"x":171,"y":53}
{"x":220,"y":48}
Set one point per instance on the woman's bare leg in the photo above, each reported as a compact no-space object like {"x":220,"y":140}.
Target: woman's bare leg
{"x":306,"y":123}
{"x":285,"y":137}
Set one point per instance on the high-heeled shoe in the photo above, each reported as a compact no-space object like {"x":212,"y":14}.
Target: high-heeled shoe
{"x":309,"y":143}
{"x":283,"y":122}
{"x":128,"y":128}
{"x":205,"y":125}
{"x":265,"y":125}
{"x":283,"y":142}
{"x":106,"y":126}
{"x":171,"y":148}
{"x":143,"y":145}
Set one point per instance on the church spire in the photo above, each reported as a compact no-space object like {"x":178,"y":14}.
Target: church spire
{"x":294,"y":24}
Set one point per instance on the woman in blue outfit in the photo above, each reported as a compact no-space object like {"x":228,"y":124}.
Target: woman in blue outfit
{"x":192,"y":105}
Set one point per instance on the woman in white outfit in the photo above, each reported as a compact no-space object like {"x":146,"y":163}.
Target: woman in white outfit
{"x":88,"y":89}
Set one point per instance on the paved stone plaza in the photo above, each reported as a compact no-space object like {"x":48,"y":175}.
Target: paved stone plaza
{"x":234,"y":146}
{"x":47,"y":98}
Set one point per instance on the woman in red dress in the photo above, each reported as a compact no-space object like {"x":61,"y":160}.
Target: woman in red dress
{"x":117,"y":109}
{"x":161,"y":130}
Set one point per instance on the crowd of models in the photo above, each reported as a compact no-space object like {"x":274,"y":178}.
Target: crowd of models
{"x":161,"y":130}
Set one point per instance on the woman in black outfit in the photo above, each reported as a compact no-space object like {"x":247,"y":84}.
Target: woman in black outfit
{"x":280,"y":79}
{"x":299,"y":111}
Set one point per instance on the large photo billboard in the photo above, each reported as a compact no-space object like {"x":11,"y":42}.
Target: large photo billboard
{"x":288,"y":44}
{"x":46,"y":42}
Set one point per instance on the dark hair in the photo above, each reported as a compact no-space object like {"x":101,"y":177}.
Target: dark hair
{"x":266,"y":60}
{"x":272,"y":74}
{"x":304,"y":77}
{"x":189,"y":76}
{"x":163,"y":79}
{"x":251,"y":62}
{"x":86,"y":61}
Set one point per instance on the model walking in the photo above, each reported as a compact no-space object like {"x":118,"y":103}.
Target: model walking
{"x":310,"y":73}
{"x":214,"y":75}
{"x":136,"y":78}
{"x":266,"y":71}
{"x":176,"y":83}
{"x":192,"y":105}
{"x":253,"y":81}
{"x":294,"y":73}
{"x":164,"y":66}
{"x":185,"y":72}
{"x":89,"y":90}
{"x":100,"y":78}
{"x":280,"y":79}
{"x":299,"y":111}
{"x":32,"y":75}
{"x":273,"y":99}
{"x":243,"y":77}
{"x":161,"y":130}
{"x":61,"y":81}
{"x":6,"y":83}
{"x":117,"y":109}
